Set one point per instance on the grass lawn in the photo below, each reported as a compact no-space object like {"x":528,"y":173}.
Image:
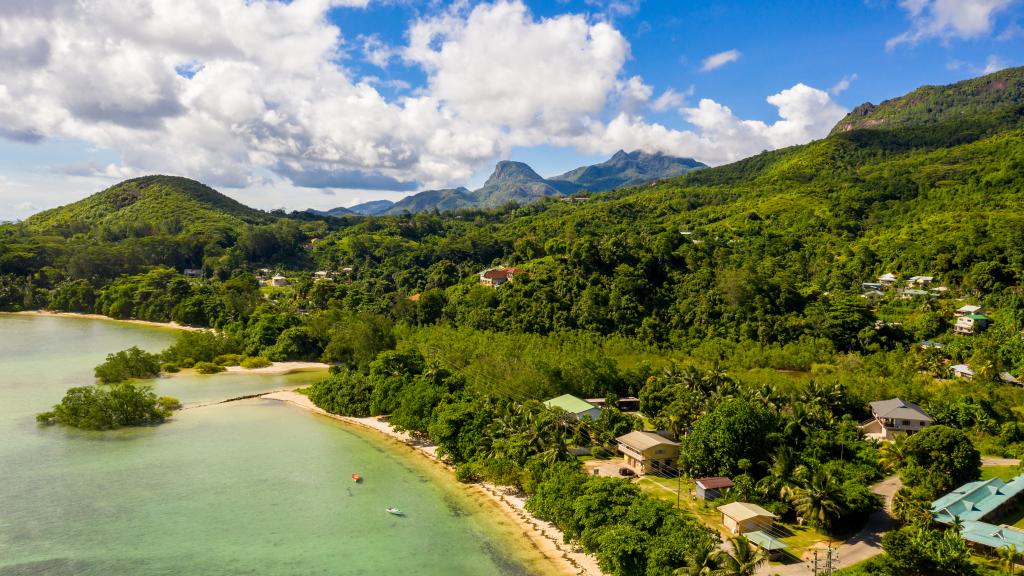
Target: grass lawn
{"x":1004,"y":472}
{"x":799,"y":538}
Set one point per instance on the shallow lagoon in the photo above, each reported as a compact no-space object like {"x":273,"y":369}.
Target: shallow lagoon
{"x":249,"y":487}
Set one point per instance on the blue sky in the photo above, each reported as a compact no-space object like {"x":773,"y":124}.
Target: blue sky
{"x":320,"y":103}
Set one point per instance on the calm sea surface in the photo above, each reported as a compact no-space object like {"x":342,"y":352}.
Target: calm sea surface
{"x":250,"y":487}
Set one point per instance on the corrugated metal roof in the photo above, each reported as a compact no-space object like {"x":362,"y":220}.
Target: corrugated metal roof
{"x":766,"y":542}
{"x":740,"y":511}
{"x":898,"y":409}
{"x":976,"y":500}
{"x":992,"y":535}
{"x":570,"y":404}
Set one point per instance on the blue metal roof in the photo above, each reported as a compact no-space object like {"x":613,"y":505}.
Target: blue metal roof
{"x":765,"y":541}
{"x":992,"y":535}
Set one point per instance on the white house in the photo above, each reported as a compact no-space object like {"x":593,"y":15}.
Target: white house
{"x":962,"y":371}
{"x":970,"y":324}
{"x":494,"y":277}
{"x":969,"y":309}
{"x":894,"y":416}
{"x":743,"y":517}
{"x":278,"y":280}
{"x":919,"y":281}
{"x":887,"y":279}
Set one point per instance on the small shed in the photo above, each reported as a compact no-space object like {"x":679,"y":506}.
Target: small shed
{"x":577,"y":407}
{"x":1008,"y":378}
{"x":962,"y":371}
{"x":711,"y":488}
{"x":772,"y":546}
{"x":744,"y":517}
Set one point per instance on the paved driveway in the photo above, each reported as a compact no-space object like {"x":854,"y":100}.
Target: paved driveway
{"x":865,"y":544}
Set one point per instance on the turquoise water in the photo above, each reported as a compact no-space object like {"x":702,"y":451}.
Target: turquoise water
{"x":249,"y":487}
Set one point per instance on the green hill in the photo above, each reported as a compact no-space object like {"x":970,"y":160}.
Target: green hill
{"x":930,"y":105}
{"x":147,"y":206}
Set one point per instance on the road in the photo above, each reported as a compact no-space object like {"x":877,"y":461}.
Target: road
{"x":865,"y":544}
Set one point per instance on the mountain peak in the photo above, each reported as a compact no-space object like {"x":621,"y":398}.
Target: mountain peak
{"x":511,"y":171}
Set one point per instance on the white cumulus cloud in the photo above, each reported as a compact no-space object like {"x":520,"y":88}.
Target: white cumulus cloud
{"x":948,"y":19}
{"x":255,"y":94}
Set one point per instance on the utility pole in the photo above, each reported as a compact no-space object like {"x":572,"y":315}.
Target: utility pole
{"x":826,"y":565}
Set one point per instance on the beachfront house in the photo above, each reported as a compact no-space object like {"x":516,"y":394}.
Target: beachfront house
{"x":971,"y":324}
{"x":711,"y":488}
{"x":494,"y":277}
{"x":744,"y":517}
{"x":578,"y":407}
{"x":647,"y":452}
{"x":893,"y":416}
{"x":962,"y":371}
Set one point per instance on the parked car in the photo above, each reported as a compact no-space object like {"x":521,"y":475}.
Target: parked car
{"x":626,"y":471}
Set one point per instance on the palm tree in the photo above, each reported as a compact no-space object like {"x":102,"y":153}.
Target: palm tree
{"x":1007,"y":557}
{"x":744,"y":560}
{"x":785,"y":469}
{"x":892,"y":455}
{"x":820,"y":500}
{"x":699,"y":562}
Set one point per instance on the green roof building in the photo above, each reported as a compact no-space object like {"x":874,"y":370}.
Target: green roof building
{"x":575,"y":406}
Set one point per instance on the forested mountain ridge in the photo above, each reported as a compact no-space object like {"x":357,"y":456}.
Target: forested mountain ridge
{"x":934,"y":104}
{"x":145,"y":206}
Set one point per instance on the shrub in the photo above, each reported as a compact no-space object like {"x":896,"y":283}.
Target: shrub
{"x":104,"y":408}
{"x":131,"y":363}
{"x":467,"y":473}
{"x":200,"y":345}
{"x":187,"y":362}
{"x":170,"y":367}
{"x":208,"y":368}
{"x":228,"y":359}
{"x":169,"y":403}
{"x":255,"y":362}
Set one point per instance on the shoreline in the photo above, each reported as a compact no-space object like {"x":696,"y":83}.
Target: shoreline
{"x":546,"y":538}
{"x":151,"y":324}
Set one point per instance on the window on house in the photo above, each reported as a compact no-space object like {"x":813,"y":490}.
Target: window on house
{"x":906,"y":422}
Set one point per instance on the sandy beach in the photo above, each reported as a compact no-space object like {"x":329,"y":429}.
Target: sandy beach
{"x":278,"y":368}
{"x":171,"y":325}
{"x":544,"y":536}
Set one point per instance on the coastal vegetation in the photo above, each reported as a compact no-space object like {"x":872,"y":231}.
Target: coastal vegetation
{"x":731,"y":301}
{"x":109,"y":407}
{"x":127,"y":364}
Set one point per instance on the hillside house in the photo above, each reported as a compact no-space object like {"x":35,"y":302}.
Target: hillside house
{"x":887,"y":279}
{"x":577,"y":407}
{"x":962,"y":371}
{"x":968,"y":310}
{"x":911,"y":293}
{"x":971,"y":324}
{"x":193,"y":272}
{"x":930,"y":344}
{"x":744,"y":517}
{"x":647,"y":452}
{"x":919,"y":281}
{"x":894,"y":416}
{"x":278,"y":280}
{"x":872,"y":296}
{"x":321,"y":275}
{"x":711,"y":488}
{"x":494,"y":277}
{"x":1007,"y":378}
{"x":870,"y":286}
{"x":625,"y":404}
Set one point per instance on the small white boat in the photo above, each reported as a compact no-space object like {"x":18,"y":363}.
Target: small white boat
{"x":395,"y":511}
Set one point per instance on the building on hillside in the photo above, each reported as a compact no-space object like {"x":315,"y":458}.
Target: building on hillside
{"x":577,"y":407}
{"x":193,"y":273}
{"x":971,"y":324}
{"x":911,"y":293}
{"x":894,"y":416}
{"x":1008,"y":378}
{"x":263,"y":273}
{"x":873,"y":296}
{"x":625,"y":404}
{"x":711,"y":488}
{"x":321,"y":275}
{"x":415,"y":297}
{"x":869,"y":286}
{"x":278,"y":280}
{"x":494,"y":277}
{"x":969,"y":309}
{"x":888,"y":279}
{"x":919,"y":281}
{"x":744,"y":517}
{"x":930,"y":344}
{"x":647,"y":452}
{"x":962,"y":371}
{"x":979,"y":508}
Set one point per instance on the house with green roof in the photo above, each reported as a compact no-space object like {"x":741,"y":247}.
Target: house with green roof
{"x":979,"y":507}
{"x":576,"y":406}
{"x":971,"y":323}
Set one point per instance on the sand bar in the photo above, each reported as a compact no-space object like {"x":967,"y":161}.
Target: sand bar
{"x":171,"y":325}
